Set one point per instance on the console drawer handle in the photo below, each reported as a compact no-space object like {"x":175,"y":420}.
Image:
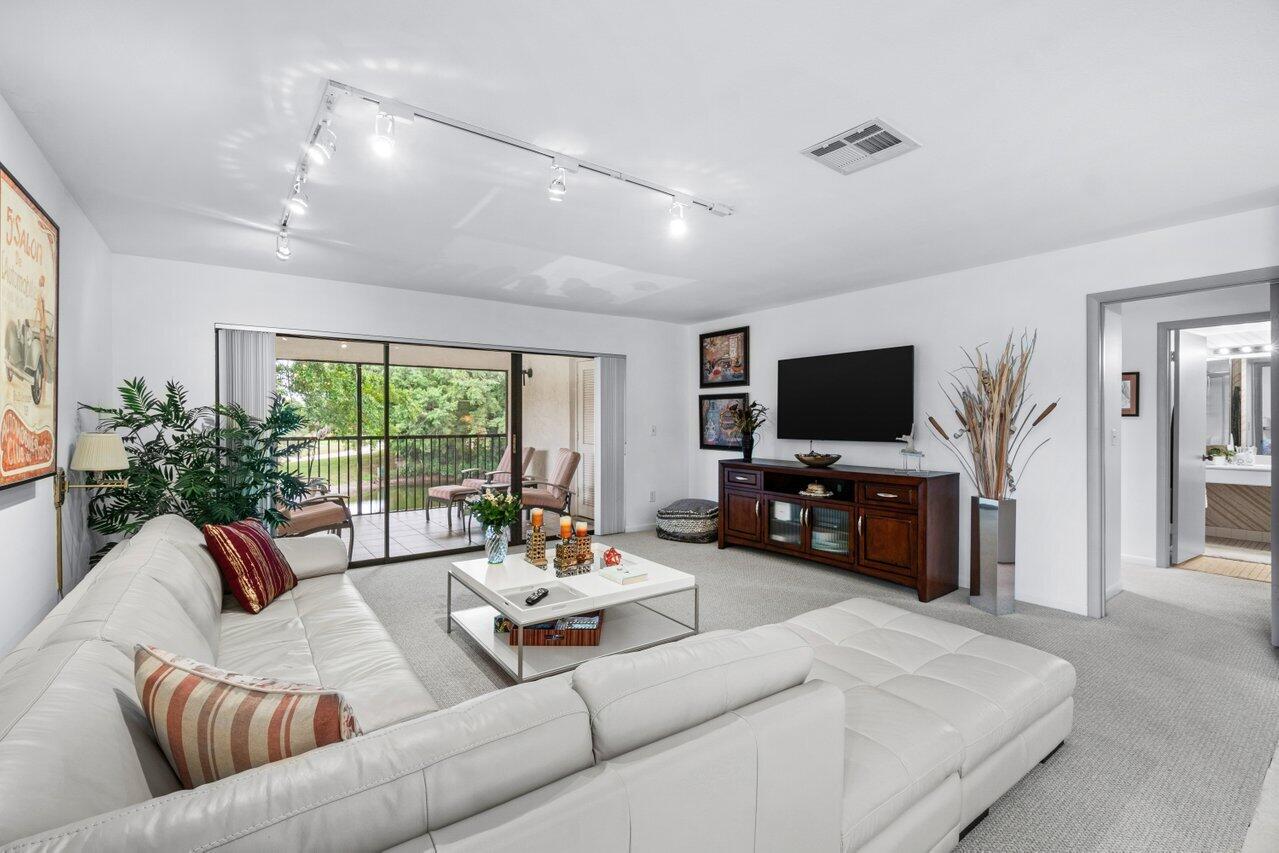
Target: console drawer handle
{"x":742,"y":478}
{"x":885,"y":495}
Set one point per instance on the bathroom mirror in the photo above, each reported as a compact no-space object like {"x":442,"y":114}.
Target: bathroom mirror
{"x":1239,"y":403}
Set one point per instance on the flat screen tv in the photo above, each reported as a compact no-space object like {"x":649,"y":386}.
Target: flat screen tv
{"x":851,"y":396}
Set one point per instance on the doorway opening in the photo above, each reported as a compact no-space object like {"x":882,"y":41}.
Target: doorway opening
{"x":1118,"y":516}
{"x":1220,"y":439}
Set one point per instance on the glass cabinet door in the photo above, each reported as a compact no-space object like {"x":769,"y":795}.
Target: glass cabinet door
{"x":828,"y":531}
{"x":786,"y":523}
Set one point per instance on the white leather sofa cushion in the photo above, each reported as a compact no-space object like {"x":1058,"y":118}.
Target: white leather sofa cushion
{"x":988,"y":689}
{"x":638,"y":698}
{"x":312,"y":556}
{"x":73,"y":739}
{"x":367,"y":793}
{"x":322,"y":632}
{"x":152,"y":595}
{"x":765,"y":777}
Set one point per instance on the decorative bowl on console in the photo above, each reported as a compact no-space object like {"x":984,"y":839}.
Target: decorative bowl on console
{"x":817,"y":460}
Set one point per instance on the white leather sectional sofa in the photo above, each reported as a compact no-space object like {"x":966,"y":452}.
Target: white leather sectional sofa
{"x":859,"y":726}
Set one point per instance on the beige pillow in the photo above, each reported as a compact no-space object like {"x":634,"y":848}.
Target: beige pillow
{"x":211,"y":723}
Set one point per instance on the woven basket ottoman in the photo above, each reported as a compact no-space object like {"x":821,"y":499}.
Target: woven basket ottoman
{"x":688,"y":520}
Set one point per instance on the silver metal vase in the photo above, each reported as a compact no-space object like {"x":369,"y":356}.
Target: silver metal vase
{"x":993,"y":555}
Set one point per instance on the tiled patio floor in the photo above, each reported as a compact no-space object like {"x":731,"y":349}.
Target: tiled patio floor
{"x":411,"y":533}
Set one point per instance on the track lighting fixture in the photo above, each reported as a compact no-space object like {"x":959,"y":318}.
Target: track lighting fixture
{"x":325,"y":144}
{"x":557,"y":189}
{"x":298,"y":200}
{"x":678,"y":227}
{"x":383,"y":139}
{"x":282,"y":250}
{"x":1245,"y":349}
{"x":322,"y":145}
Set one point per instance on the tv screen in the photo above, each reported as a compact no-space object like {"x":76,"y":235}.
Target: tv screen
{"x":851,"y":396}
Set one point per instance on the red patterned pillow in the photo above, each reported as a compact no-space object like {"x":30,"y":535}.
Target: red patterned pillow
{"x":252,"y":566}
{"x":211,"y":723}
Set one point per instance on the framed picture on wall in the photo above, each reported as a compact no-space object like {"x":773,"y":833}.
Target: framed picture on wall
{"x":715,"y":425}
{"x":1130,"y":394}
{"x":29,"y":330}
{"x":724,"y":358}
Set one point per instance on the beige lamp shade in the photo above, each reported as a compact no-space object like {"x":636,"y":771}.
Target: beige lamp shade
{"x":99,"y":451}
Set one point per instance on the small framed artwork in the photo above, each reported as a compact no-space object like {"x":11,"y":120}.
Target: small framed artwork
{"x":1130,"y":394}
{"x":715,"y":424}
{"x":724,"y":358}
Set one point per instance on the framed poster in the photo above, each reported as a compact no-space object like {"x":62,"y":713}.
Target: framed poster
{"x":1130,"y":394}
{"x":29,"y":326}
{"x":715,"y":425}
{"x":724,"y":358}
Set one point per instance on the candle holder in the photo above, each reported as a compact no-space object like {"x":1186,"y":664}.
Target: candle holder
{"x":566,"y":562}
{"x":535,"y":552}
{"x":584,"y":554}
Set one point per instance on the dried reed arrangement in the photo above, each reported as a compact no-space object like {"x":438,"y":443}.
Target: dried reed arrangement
{"x":990,"y":400}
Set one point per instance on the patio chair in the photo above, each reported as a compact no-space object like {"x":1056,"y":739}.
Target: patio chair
{"x":501,"y":475}
{"x":452,"y":494}
{"x":321,"y":512}
{"x":553,"y":493}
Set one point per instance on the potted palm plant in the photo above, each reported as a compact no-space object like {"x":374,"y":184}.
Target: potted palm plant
{"x":997,"y":419}
{"x":497,"y":511}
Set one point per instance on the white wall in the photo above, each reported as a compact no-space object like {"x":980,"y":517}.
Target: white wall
{"x":942,"y":313}
{"x":1139,"y":434}
{"x":165,"y":312}
{"x":27,"y":588}
{"x":548,"y":409}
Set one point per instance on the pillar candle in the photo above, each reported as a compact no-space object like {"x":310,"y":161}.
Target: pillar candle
{"x":581,"y":529}
{"x":566,"y":526}
{"x":537,"y":516}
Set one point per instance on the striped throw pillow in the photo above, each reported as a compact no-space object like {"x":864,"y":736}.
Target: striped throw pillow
{"x":254,"y":569}
{"x":211,"y":723}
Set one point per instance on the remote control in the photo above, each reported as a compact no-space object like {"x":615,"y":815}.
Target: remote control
{"x":537,"y":595}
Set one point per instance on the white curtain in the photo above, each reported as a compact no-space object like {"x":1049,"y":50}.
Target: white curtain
{"x":246,"y":369}
{"x":610,"y":376}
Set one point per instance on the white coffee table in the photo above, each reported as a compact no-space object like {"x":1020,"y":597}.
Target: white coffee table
{"x":629,"y":624}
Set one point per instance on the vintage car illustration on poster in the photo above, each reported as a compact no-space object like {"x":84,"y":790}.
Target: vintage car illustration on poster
{"x":28,"y":335}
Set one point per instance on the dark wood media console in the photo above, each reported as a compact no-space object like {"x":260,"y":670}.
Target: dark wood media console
{"x":876,"y":521}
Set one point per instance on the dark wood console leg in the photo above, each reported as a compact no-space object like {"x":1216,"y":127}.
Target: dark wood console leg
{"x":971,"y":826}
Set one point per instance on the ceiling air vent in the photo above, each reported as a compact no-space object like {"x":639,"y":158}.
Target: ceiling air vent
{"x":865,"y":145}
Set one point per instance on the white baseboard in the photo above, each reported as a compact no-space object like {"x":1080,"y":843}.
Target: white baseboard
{"x":641,"y":528}
{"x":1133,"y":558}
{"x":1114,"y":590}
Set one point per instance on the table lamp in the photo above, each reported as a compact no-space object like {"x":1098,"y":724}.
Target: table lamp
{"x":95,"y":452}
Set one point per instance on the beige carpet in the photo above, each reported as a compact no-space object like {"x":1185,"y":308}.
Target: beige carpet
{"x":1177,"y":707}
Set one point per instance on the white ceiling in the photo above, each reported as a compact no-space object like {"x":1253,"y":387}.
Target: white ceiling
{"x":1235,"y":335}
{"x":1043,"y":125}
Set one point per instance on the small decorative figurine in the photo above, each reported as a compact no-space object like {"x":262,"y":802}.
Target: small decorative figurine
{"x":612,"y":557}
{"x":909,"y":452}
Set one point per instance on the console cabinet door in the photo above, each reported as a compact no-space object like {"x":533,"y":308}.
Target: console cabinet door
{"x":887,"y":541}
{"x":829,"y":531}
{"x":741,"y":514}
{"x":784,"y":523}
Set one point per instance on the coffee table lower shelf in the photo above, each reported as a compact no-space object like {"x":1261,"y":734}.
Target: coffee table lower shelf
{"x":627,"y":628}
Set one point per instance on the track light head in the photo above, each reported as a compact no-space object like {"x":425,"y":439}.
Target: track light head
{"x":678,"y":226}
{"x":325,"y":144}
{"x":282,"y":249}
{"x":383,"y":139}
{"x":298,"y":199}
{"x":557,"y":189}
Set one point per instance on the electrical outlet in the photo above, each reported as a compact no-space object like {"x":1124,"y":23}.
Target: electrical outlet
{"x":653,"y":431}
{"x":652,"y":497}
